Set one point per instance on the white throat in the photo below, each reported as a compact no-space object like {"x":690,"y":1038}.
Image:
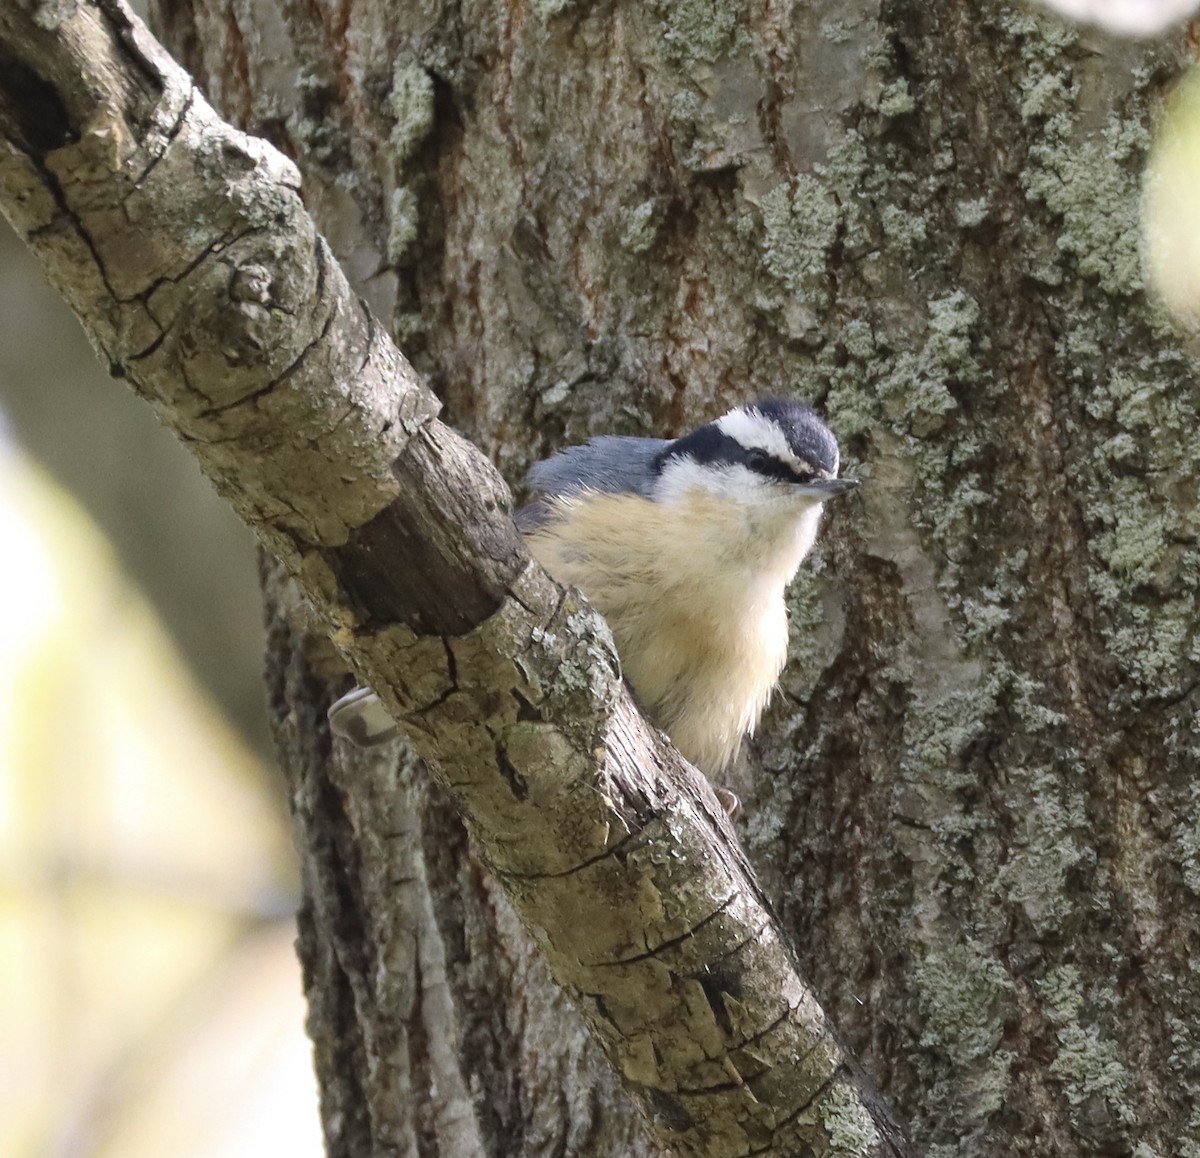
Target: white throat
{"x":756,"y":531}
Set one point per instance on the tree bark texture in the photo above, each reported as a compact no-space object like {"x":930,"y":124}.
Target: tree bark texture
{"x":185,"y":251}
{"x":974,"y":805}
{"x":975,"y":802}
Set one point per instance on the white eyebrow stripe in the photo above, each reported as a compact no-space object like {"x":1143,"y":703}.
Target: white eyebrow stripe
{"x":753,"y":431}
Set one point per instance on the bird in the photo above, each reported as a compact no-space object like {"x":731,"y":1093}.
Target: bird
{"x":686,"y":546}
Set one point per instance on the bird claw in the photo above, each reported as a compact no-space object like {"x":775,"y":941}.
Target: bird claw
{"x":731,"y":802}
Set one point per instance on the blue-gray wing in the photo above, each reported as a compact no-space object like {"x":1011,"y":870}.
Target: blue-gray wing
{"x":610,"y":463}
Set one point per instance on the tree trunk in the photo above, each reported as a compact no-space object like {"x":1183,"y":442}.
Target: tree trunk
{"x":973,"y":805}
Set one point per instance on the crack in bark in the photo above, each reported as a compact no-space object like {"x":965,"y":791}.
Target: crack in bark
{"x":434,"y":504}
{"x":671,"y":943}
{"x":839,"y":1074}
{"x":119,"y":16}
{"x":142,"y":297}
{"x":734,"y":949}
{"x":1167,"y":702}
{"x":169,"y":138}
{"x":369,"y":344}
{"x":293,"y":368}
{"x":788,"y":1013}
{"x":631,"y":839}
{"x":219,"y":245}
{"x":515,"y":595}
{"x":252,"y":399}
{"x":516,"y":782}
{"x":65,"y":214}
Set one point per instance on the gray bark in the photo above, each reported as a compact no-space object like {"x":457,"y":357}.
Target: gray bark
{"x":186,"y":253}
{"x":973,"y":807}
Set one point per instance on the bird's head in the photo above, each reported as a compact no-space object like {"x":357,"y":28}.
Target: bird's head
{"x":771,"y":454}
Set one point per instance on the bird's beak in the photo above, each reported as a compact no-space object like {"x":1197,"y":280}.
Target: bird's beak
{"x":828,"y":488}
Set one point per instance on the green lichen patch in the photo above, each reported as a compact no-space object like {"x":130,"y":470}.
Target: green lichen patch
{"x":403,"y":221}
{"x":963,"y":994}
{"x":905,"y":228}
{"x":700,"y":31}
{"x":1092,"y":1071}
{"x":1061,"y":991}
{"x":816,"y":626}
{"x":895,"y":100}
{"x":1187,"y":841}
{"x":847,"y":1124}
{"x":944,"y":735}
{"x":799,"y":223}
{"x":411,"y":103}
{"x":1093,"y":187}
{"x":971,"y":212}
{"x":917,"y":388}
{"x":1046,"y":845}
{"x":640,"y":227}
{"x":547,"y":9}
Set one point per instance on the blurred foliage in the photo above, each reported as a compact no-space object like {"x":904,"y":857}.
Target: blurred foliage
{"x":150,"y":998}
{"x":182,"y":544}
{"x":1171,"y":205}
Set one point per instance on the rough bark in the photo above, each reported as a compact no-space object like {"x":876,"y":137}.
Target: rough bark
{"x":974,"y":807}
{"x":186,"y":252}
{"x":975,"y":804}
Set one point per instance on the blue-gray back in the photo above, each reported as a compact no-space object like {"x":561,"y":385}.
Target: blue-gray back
{"x":612,"y":463}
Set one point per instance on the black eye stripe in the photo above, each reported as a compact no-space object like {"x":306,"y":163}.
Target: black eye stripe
{"x":712,"y":446}
{"x":761,"y":462}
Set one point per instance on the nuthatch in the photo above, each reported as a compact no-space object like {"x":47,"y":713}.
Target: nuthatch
{"x":686,"y":547}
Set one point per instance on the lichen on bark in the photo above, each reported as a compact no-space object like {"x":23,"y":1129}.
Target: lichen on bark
{"x":973,"y":805}
{"x":924,"y":220}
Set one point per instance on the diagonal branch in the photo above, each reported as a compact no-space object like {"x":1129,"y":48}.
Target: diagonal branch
{"x":184,"y":248}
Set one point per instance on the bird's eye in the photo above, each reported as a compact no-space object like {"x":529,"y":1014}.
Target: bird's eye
{"x":757,"y":459}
